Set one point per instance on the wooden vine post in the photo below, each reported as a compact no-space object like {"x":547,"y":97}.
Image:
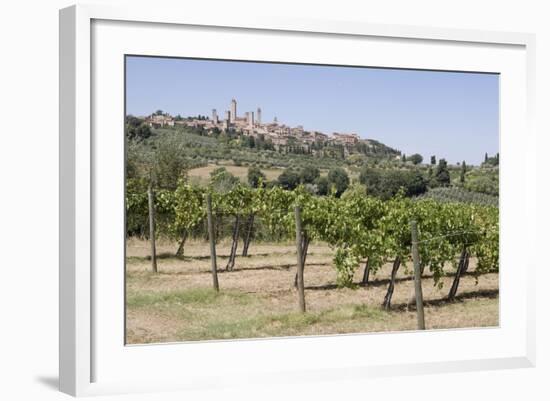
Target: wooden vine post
{"x":248,"y":237}
{"x":151,"y":197}
{"x":417,"y":278}
{"x":300,"y":260}
{"x":462,"y":268}
{"x":389,"y":293}
{"x":366,"y":273}
{"x":212,"y":242}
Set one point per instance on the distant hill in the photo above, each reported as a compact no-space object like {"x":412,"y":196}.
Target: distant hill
{"x":378,"y":148}
{"x":204,"y":148}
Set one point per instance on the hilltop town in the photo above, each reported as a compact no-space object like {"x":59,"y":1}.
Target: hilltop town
{"x":242,"y":144}
{"x":251,"y":124}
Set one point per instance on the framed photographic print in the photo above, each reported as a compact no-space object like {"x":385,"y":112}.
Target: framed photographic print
{"x":259,"y":192}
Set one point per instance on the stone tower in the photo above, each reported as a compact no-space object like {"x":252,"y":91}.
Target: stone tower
{"x":233,"y":110}
{"x":227,"y":119}
{"x":251,"y":119}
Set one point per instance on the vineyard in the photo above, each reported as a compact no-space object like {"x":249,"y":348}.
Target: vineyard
{"x":445,"y":194}
{"x":360,"y":238}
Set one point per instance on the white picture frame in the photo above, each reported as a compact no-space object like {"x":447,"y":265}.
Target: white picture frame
{"x":93,"y":357}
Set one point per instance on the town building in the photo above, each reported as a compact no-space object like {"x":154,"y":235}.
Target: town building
{"x":160,"y":120}
{"x":345,"y":139}
{"x":251,"y":124}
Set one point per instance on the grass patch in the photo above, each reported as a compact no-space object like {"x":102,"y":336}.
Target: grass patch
{"x":195,"y":296}
{"x":360,"y":311}
{"x":160,"y":255}
{"x":286,"y":324}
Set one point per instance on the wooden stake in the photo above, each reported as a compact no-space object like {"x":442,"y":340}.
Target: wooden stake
{"x":366,"y":273}
{"x":461,"y":269}
{"x":151,"y":196}
{"x":212,"y":242}
{"x":417,"y":278}
{"x":387,"y":299}
{"x":300,"y":260}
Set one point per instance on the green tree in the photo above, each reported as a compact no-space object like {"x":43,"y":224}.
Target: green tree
{"x":371,"y":178}
{"x":386,"y":184}
{"x":289,"y":179}
{"x":160,"y":160}
{"x":222,"y":181}
{"x":416,"y":158}
{"x":354,"y":190}
{"x":432,"y":160}
{"x":309,"y":174}
{"x":322,"y":185}
{"x":415,"y":183}
{"x":136,"y":129}
{"x":255,"y":177}
{"x":463,"y":172}
{"x":491,"y":161}
{"x":442,"y":175}
{"x":338,"y":179}
{"x":487,"y":184}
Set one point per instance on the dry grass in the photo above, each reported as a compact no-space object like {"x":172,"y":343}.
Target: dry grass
{"x":257,"y":299}
{"x":202,"y":174}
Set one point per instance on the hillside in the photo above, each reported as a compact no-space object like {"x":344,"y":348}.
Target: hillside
{"x":240,"y":151}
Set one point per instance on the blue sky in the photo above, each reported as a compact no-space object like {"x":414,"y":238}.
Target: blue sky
{"x":447,"y":114}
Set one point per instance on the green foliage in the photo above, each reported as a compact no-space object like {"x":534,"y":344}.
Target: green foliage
{"x":136,"y":207}
{"x":487,"y":247}
{"x":355,"y":190}
{"x":356,"y":226}
{"x":442,"y":175}
{"x":255,"y":177}
{"x":168,"y":163}
{"x":453,"y":194}
{"x":463,"y":172}
{"x":289,"y":179}
{"x":415,"y":158}
{"x":222,"y":181}
{"x":322,"y":185}
{"x":345,"y":262}
{"x":309,"y":174}
{"x":203,"y":146}
{"x":136,"y":129}
{"x":189,"y":208}
{"x":160,"y":159}
{"x":483,"y":180}
{"x":338,"y":180}
{"x":387,"y":183}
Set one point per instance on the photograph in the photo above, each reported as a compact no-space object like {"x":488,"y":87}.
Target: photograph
{"x":272,"y":199}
